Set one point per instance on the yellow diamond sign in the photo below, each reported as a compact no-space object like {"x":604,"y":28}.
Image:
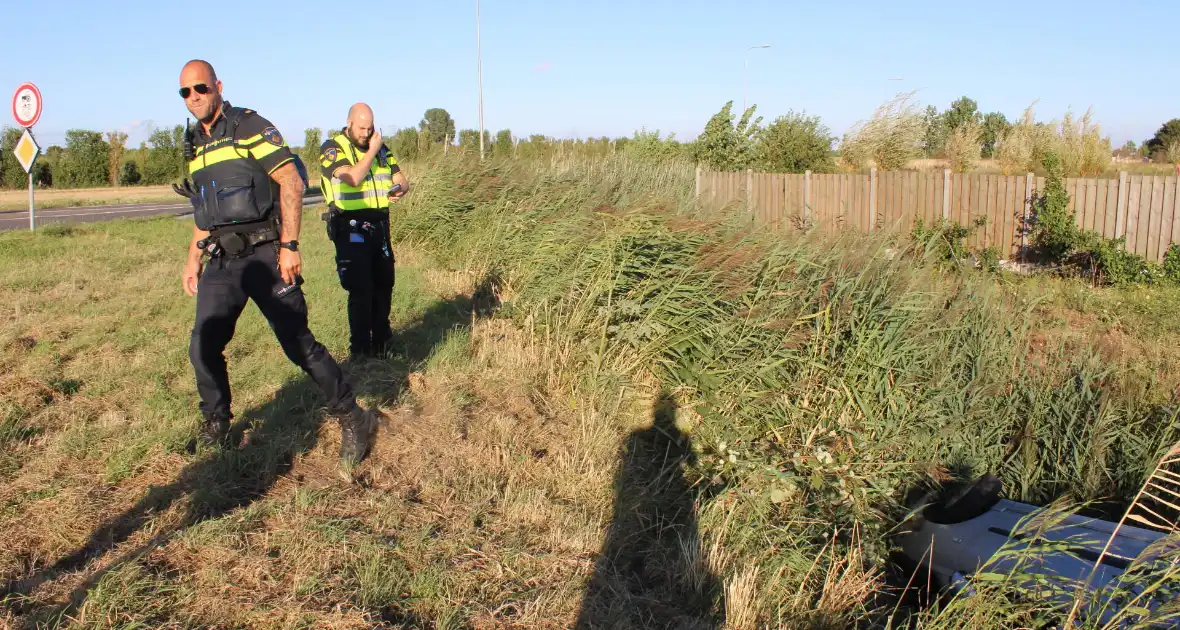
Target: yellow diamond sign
{"x":26,"y":150}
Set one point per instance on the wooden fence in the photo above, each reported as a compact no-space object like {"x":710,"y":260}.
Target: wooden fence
{"x":1143,"y":208}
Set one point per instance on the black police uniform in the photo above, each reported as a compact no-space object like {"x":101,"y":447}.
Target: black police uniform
{"x":235,"y":199}
{"x":364,"y":254}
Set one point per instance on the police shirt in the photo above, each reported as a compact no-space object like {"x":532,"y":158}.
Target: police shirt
{"x":256,"y":136}
{"x":332,"y":157}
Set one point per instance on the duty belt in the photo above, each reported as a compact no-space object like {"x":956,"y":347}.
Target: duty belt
{"x":234,"y":243}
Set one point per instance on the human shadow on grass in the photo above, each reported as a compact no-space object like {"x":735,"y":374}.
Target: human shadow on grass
{"x":652,"y":571}
{"x":226,"y":479}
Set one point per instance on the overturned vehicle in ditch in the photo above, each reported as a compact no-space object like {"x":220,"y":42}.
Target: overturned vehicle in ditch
{"x":1085,"y":571}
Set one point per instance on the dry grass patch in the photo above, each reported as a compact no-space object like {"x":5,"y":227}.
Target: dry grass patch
{"x":65,"y":197}
{"x":483,"y":505}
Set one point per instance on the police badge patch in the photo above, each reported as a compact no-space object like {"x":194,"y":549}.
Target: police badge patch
{"x":273,"y":136}
{"x":330,"y":154}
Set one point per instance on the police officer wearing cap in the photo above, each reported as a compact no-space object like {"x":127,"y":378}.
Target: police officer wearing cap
{"x":360,"y":178}
{"x":247,"y":195}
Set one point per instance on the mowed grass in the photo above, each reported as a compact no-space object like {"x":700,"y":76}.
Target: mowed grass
{"x":482,"y":505}
{"x":611,"y":410}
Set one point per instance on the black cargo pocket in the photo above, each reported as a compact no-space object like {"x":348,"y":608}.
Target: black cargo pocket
{"x":236,"y":201}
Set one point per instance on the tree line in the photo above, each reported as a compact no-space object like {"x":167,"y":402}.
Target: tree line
{"x":897,"y":133}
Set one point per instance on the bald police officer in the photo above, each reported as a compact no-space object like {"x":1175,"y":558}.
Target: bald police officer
{"x":247,"y":196}
{"x":360,"y":178}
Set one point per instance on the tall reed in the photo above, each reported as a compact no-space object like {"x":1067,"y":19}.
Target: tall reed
{"x":825,"y":377}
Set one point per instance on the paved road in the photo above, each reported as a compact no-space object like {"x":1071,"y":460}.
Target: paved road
{"x":19,"y":219}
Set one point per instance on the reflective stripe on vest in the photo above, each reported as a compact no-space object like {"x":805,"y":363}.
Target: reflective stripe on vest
{"x":373,"y":192}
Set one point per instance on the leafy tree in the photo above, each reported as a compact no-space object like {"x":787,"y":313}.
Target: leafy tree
{"x":129,"y":174}
{"x":934,"y":140}
{"x":724,"y":146}
{"x":795,"y":143}
{"x":437,"y":125}
{"x":404,"y":144}
{"x":117,"y":143}
{"x":42,"y":173}
{"x":1168,"y":133}
{"x":995,"y":125}
{"x":1055,"y":231}
{"x":86,"y":160}
{"x":647,"y":145}
{"x":165,"y":158}
{"x":962,"y":111}
{"x":11,"y":174}
{"x":469,"y":139}
{"x":504,"y":143}
{"x":310,"y":153}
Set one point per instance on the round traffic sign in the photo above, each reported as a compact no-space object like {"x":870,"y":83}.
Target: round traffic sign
{"x":26,"y":105}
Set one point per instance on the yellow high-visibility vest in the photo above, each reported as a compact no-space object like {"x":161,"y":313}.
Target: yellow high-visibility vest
{"x":373,"y":191}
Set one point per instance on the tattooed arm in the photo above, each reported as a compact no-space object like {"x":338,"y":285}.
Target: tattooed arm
{"x":290,"y":200}
{"x":291,"y":213}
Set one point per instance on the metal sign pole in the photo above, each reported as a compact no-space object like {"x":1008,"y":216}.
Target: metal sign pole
{"x":26,"y":110}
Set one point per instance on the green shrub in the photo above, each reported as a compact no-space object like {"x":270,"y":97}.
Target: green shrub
{"x":1055,"y":232}
{"x":1171,"y":265}
{"x":796,"y":143}
{"x":946,"y":241}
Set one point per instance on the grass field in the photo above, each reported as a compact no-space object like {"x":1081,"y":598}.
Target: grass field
{"x":66,"y":197}
{"x":607,"y":406}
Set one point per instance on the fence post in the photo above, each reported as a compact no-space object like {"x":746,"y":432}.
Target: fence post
{"x":1028,"y":193}
{"x":872,"y":198}
{"x":946,"y":193}
{"x":697,"y":194}
{"x":1120,"y":216}
{"x":750,"y":192}
{"x":806,"y":195}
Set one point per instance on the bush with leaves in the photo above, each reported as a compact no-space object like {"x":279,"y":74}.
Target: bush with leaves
{"x":1055,"y":231}
{"x":11,"y":173}
{"x":1165,"y":136}
{"x":129,"y":174}
{"x":86,"y":160}
{"x":503,"y":146}
{"x":1111,"y":263}
{"x":1171,"y":266}
{"x":946,"y":242}
{"x":726,"y":146}
{"x":164,"y":163}
{"x":796,"y":143}
{"x":647,"y":145}
{"x":405,"y":143}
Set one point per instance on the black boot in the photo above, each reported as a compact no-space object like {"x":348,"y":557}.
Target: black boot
{"x":357,"y":429}
{"x":214,"y":430}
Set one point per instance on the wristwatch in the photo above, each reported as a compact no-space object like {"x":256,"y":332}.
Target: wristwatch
{"x":291,"y":245}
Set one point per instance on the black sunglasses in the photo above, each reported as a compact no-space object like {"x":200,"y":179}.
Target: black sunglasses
{"x":201,"y":88}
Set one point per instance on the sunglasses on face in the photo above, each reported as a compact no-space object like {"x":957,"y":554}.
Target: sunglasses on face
{"x":201,"y":88}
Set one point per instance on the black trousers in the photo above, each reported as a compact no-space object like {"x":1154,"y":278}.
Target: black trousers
{"x":365,"y":265}
{"x":225,"y":286}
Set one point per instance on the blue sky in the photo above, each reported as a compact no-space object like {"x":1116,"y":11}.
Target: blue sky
{"x":581,"y":69}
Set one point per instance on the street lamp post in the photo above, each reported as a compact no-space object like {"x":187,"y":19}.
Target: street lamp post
{"x":746,"y":75}
{"x":479,"y":76}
